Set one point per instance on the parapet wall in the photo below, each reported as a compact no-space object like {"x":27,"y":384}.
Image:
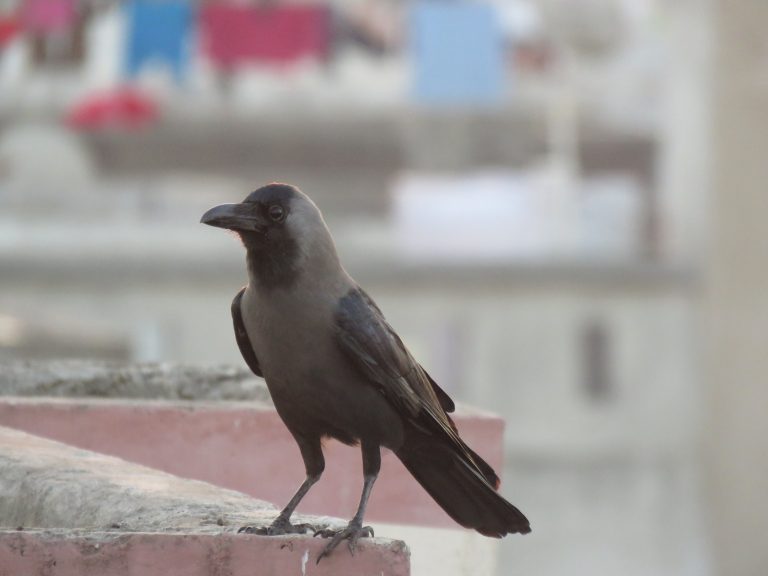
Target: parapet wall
{"x":68,"y":511}
{"x":141,"y":442}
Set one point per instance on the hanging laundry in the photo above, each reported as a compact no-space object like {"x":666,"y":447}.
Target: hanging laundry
{"x":158,"y":31}
{"x":457,"y":50}
{"x":55,"y":29}
{"x":42,"y":17}
{"x":232,"y":34}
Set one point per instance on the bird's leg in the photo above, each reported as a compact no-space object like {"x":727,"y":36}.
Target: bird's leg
{"x":314,"y":463}
{"x":355,"y":529}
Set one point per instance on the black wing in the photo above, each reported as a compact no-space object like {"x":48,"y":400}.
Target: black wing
{"x":242,"y":336}
{"x":374,"y":347}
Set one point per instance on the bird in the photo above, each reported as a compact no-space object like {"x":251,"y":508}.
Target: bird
{"x":335,"y":368}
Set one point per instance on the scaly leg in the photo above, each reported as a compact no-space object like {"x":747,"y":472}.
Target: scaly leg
{"x":312,"y":454}
{"x":355,"y":529}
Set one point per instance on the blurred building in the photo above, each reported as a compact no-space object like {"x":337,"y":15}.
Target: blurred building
{"x":521,"y":184}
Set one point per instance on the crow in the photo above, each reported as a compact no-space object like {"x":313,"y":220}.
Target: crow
{"x":335,"y":368}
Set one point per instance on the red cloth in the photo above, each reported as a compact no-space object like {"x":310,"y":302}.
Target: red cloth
{"x":122,"y":109}
{"x":278,"y":35}
{"x":9,"y":27}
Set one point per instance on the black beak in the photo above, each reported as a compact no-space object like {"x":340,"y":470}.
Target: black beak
{"x":234,"y":217}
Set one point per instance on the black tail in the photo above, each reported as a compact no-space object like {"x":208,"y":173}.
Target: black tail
{"x":465,"y":490}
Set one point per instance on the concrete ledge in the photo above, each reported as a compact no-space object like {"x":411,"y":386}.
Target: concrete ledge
{"x":108,"y":516}
{"x":36,"y":553}
{"x":92,"y":379}
{"x":243,"y":446}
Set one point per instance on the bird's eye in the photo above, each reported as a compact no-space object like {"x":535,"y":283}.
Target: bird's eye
{"x":276,"y":213}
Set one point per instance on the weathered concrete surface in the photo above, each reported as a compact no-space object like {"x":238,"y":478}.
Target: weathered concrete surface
{"x":112,"y":517}
{"x":243,"y":446}
{"x":45,"y":484}
{"x":107,"y":554}
{"x":74,"y":378}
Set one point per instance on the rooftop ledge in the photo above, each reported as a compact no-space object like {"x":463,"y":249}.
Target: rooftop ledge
{"x":74,"y":512}
{"x":214,"y":425}
{"x":240,"y":445}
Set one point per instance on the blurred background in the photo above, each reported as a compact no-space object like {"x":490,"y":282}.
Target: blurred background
{"x":558,"y":204}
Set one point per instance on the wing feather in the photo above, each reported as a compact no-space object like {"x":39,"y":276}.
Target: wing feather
{"x":376,"y":349}
{"x":241,"y":335}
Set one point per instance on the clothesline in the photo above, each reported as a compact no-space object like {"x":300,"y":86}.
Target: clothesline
{"x":456,"y":48}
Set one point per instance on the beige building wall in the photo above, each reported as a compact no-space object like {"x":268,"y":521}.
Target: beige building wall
{"x":737,"y":295}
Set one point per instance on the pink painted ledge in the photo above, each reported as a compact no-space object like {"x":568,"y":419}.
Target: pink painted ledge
{"x":69,"y":553}
{"x":243,"y":446}
{"x":90,"y":514}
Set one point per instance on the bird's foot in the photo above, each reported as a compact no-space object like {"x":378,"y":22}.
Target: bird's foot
{"x":279,"y":527}
{"x":353,"y":532}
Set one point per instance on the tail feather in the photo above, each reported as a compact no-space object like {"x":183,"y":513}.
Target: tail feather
{"x":464,"y":489}
{"x":485,"y":468}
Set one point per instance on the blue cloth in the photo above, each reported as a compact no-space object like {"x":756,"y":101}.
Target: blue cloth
{"x":158,"y":30}
{"x":457,"y":50}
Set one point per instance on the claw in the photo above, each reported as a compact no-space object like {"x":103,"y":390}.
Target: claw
{"x":353,"y":532}
{"x":277,"y":528}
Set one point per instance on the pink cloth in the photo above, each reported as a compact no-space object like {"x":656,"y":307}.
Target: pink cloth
{"x":232,"y":34}
{"x":46,"y":16}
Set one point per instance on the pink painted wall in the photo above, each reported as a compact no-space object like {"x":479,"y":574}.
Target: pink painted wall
{"x":34,"y":554}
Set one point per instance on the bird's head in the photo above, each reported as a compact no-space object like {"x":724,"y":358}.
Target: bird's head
{"x":281,"y":229}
